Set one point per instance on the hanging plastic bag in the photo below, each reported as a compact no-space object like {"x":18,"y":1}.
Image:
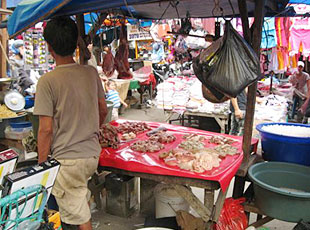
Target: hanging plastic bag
{"x":232,"y":216}
{"x":202,"y":65}
{"x":233,"y":66}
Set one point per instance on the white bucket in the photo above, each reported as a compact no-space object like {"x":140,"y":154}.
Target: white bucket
{"x":168,"y":201}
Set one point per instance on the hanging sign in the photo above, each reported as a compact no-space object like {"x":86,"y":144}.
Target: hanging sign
{"x":134,"y":32}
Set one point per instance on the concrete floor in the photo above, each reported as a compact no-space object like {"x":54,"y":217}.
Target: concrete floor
{"x":104,"y":221}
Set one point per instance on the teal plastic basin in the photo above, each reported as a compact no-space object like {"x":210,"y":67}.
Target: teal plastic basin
{"x":282,"y":190}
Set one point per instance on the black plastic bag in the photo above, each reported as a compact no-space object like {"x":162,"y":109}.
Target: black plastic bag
{"x":202,"y":65}
{"x":231,"y":67}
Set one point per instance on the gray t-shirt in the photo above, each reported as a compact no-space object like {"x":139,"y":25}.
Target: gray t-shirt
{"x":70,"y":95}
{"x":241,"y":100}
{"x":300,"y":82}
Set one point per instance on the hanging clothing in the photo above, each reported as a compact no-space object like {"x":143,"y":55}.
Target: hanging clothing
{"x":300,"y":32}
{"x":283,"y":31}
{"x":269,"y":36}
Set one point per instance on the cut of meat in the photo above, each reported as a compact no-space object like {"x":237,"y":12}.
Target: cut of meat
{"x":108,"y":136}
{"x":147,"y":146}
{"x":221,"y":140}
{"x":163,"y":137}
{"x":108,"y":64}
{"x":135,"y":127}
{"x":121,"y":56}
{"x":226,"y":149}
{"x":192,"y":145}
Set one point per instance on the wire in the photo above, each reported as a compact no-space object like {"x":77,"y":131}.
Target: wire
{"x":232,"y":8}
{"x":175,"y":5}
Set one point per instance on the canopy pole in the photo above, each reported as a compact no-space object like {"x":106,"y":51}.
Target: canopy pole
{"x":251,"y":96}
{"x":3,"y":39}
{"x":81,"y":30}
{"x":93,"y":30}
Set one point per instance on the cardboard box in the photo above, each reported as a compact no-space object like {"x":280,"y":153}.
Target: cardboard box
{"x":44,"y":174}
{"x":8,"y":159}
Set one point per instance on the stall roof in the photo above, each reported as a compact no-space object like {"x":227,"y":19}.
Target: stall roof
{"x":29,"y":12}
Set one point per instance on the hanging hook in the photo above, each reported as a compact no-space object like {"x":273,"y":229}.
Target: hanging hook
{"x":217,"y":10}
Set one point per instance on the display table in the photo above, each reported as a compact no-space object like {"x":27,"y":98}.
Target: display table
{"x":149,"y":166}
{"x":221,"y":119}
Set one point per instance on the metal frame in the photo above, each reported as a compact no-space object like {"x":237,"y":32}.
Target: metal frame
{"x":208,"y":211}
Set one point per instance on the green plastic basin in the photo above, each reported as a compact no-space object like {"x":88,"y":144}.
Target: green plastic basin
{"x":282,"y":190}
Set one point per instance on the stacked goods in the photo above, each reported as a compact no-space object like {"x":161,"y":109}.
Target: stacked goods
{"x":134,"y":127}
{"x":193,"y":155}
{"x":108,"y":136}
{"x":6,"y":113}
{"x":199,"y":162}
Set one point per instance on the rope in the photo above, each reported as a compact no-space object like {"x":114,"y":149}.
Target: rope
{"x":4,"y":52}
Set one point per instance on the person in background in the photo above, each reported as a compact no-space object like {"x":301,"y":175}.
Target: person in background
{"x":237,"y":108}
{"x":23,"y":80}
{"x":70,"y":103}
{"x":300,"y":80}
{"x":112,"y":95}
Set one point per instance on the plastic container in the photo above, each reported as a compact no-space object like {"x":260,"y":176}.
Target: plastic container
{"x":5,"y":122}
{"x":29,"y":102}
{"x":109,"y":115}
{"x":168,"y":201}
{"x":284,"y":148}
{"x":16,"y":134}
{"x":282,"y":190}
{"x":20,"y":125}
{"x":122,"y":195}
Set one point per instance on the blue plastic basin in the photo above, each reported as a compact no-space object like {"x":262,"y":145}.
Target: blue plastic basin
{"x":282,"y":148}
{"x":20,"y":124}
{"x":282,"y":190}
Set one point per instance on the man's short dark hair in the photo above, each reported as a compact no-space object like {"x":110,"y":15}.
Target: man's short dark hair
{"x":61,"y":34}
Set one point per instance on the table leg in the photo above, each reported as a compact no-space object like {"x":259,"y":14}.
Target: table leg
{"x":221,"y":124}
{"x":209,"y":203}
{"x":219,"y":205}
{"x":238,"y":187}
{"x":194,"y":202}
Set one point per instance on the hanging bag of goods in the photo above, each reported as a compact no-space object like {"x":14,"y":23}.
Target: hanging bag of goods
{"x":232,"y":67}
{"x":202,"y":65}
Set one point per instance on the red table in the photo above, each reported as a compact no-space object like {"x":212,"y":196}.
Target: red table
{"x":150,"y":166}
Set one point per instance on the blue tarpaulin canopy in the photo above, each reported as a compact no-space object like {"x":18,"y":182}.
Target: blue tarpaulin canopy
{"x":29,"y":12}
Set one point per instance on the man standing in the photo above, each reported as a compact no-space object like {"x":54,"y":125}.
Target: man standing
{"x":301,"y":82}
{"x":238,"y":107}
{"x":71,"y":106}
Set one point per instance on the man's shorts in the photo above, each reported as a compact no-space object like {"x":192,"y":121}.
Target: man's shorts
{"x":70,"y":189}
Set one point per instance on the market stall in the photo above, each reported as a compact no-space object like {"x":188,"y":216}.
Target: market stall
{"x":182,"y":96}
{"x":121,"y":157}
{"x":254,"y":8}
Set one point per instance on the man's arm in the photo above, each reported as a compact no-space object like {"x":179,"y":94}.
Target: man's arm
{"x":103,"y":110}
{"x":304,"y":107}
{"x":238,"y":112}
{"x":44,"y":137}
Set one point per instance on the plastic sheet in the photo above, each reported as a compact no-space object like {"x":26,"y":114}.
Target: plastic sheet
{"x":127,"y":159}
{"x":232,"y":216}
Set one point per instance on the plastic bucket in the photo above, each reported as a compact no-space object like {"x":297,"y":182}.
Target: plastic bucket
{"x":282,"y":190}
{"x":109,"y":115}
{"x":168,"y":201}
{"x":277,"y":147}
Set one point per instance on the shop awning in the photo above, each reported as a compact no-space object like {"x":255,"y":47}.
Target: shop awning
{"x":29,"y":12}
